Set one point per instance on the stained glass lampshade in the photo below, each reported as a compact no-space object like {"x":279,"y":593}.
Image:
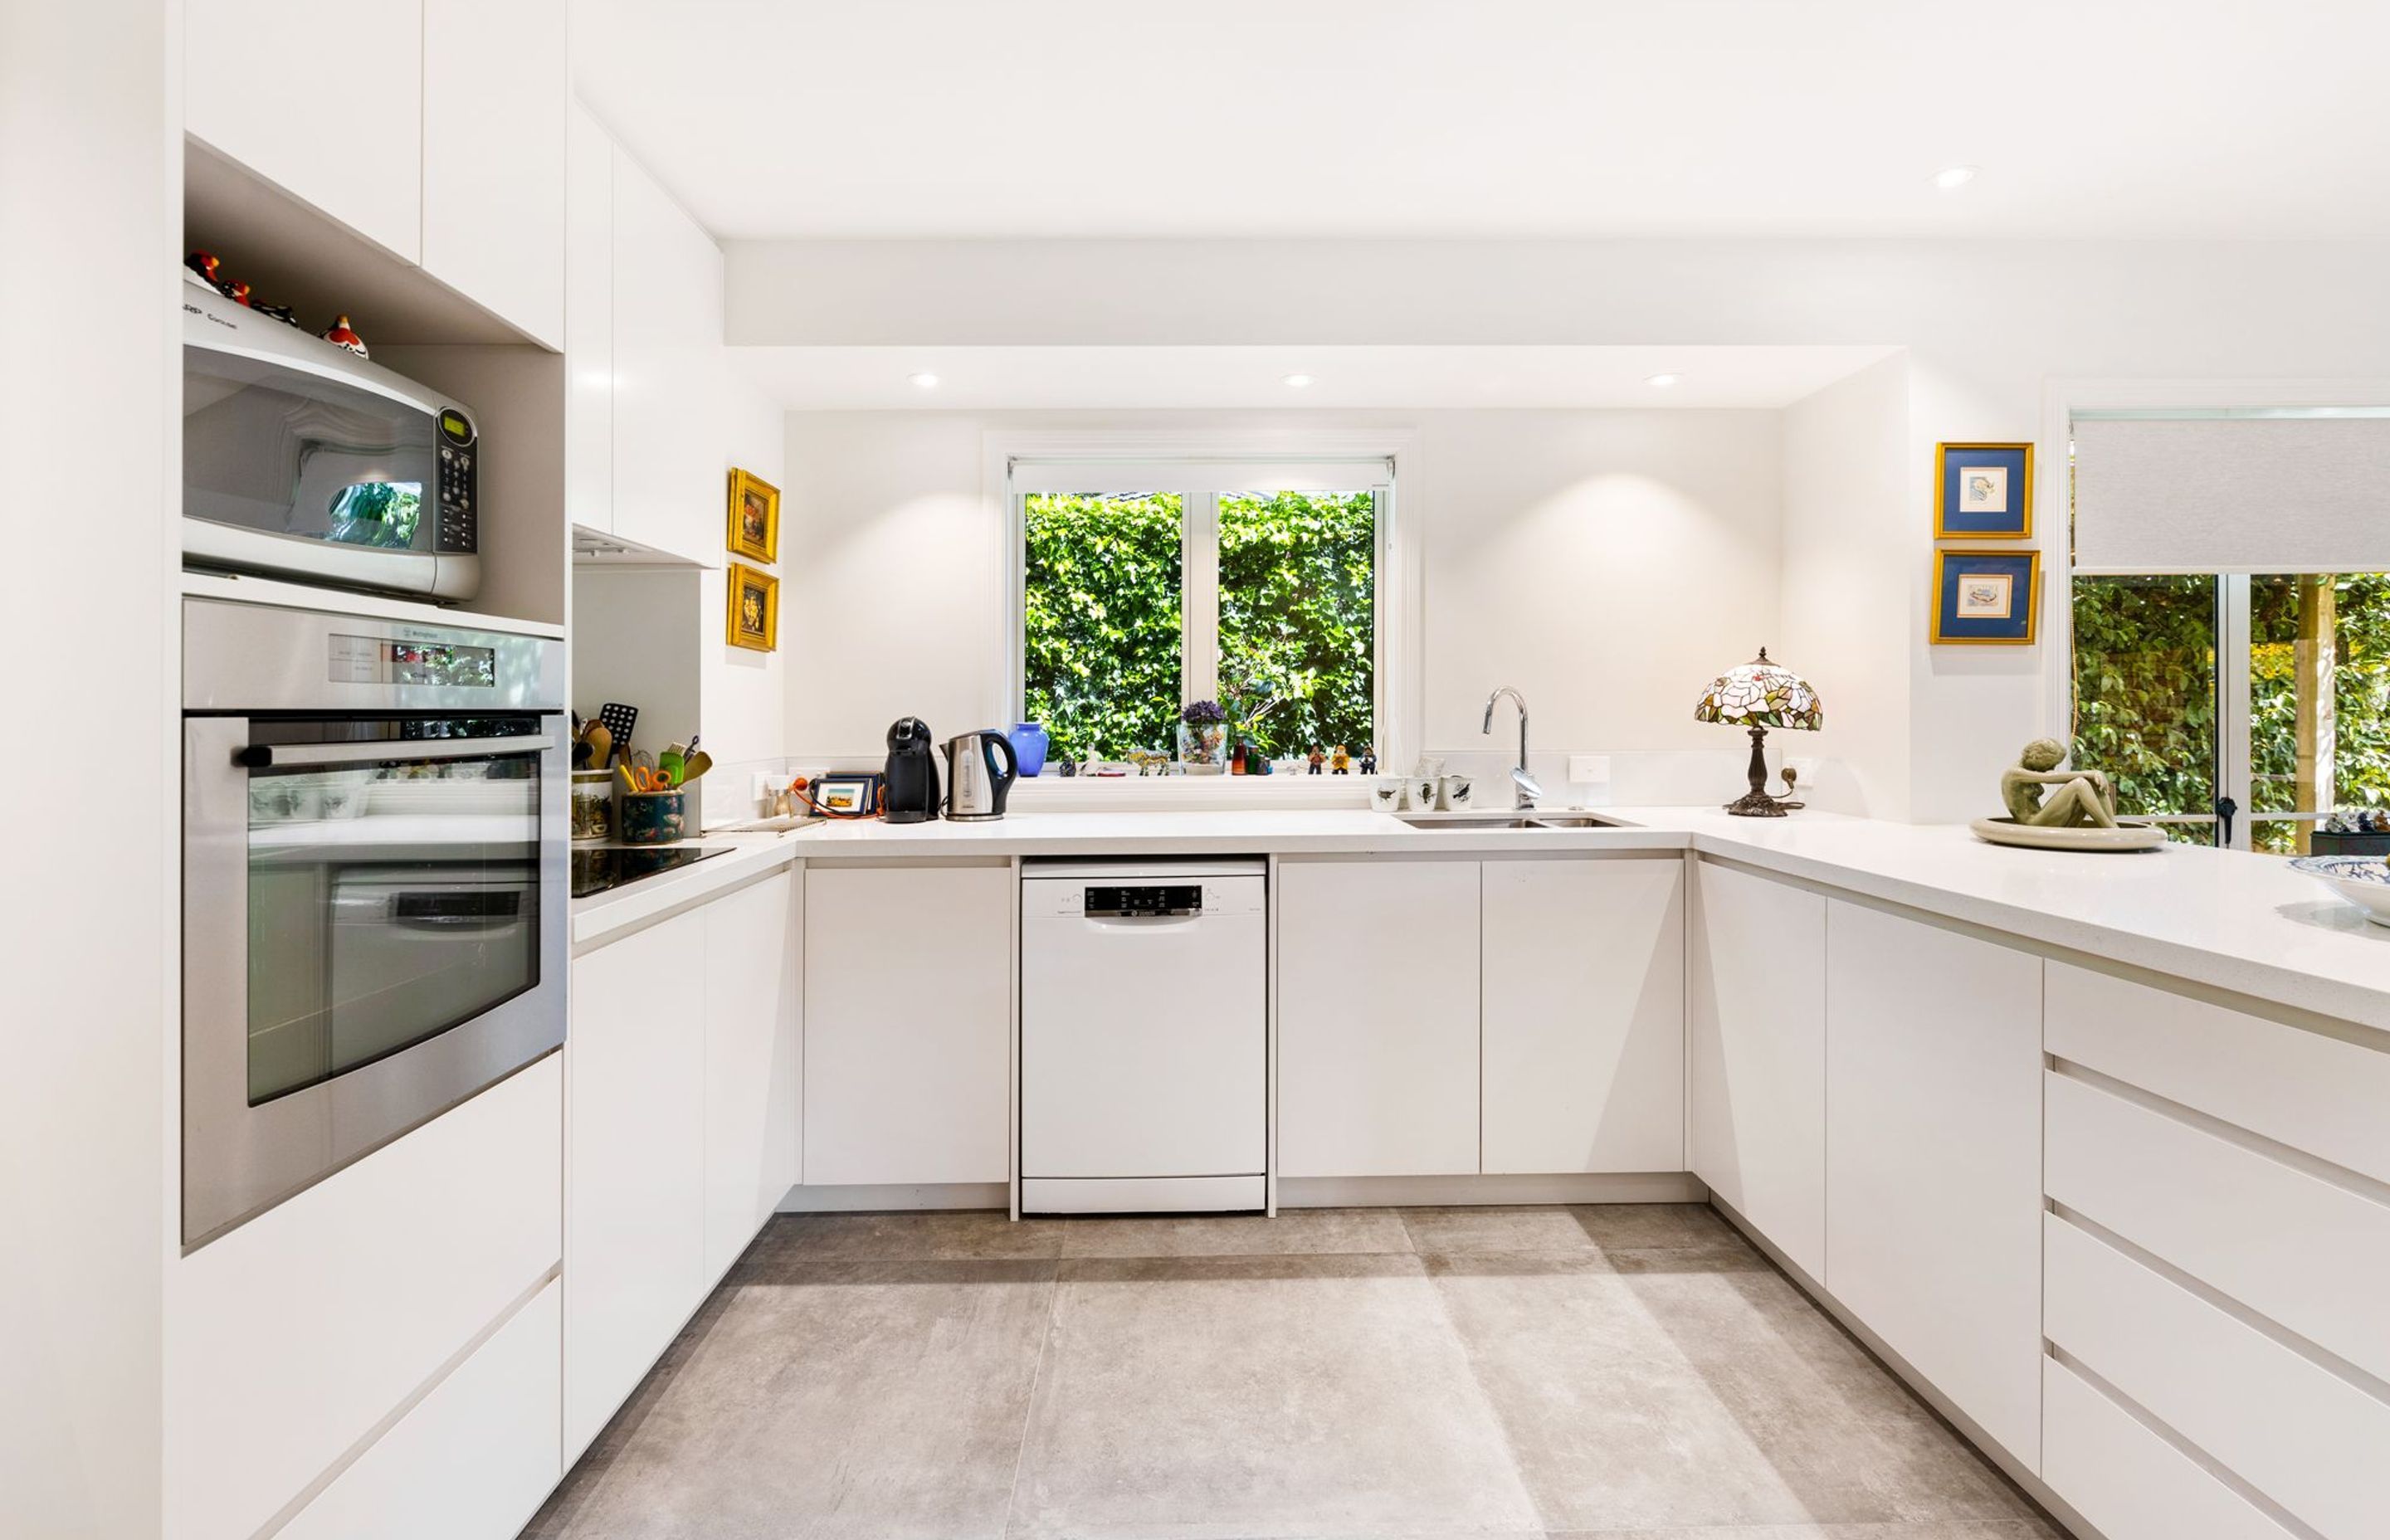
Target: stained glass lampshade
{"x":1760,"y":695}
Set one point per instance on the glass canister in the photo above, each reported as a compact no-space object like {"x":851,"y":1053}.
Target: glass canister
{"x":593,"y":807}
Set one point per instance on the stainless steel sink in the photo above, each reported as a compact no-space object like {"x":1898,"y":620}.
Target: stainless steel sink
{"x":1474,"y":821}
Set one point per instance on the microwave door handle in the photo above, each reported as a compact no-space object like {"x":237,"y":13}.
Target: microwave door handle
{"x":260,"y":756}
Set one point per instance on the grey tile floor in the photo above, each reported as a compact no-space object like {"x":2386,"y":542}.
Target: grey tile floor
{"x":1332,"y":1374}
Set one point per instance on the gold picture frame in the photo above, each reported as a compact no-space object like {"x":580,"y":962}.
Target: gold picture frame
{"x":2011,"y":464}
{"x":754,"y":527}
{"x":1952,"y":625}
{"x":753,"y":609}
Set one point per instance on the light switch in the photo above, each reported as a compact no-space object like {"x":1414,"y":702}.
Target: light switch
{"x":1589,"y":769}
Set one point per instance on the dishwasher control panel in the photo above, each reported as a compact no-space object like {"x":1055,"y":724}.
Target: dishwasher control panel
{"x":1175,"y":899}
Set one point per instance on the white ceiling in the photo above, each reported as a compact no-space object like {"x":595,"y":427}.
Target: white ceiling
{"x":1352,"y":377}
{"x":1514,"y":118}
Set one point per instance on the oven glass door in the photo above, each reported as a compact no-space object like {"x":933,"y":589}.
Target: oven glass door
{"x":388,"y":903}
{"x":374,"y":930}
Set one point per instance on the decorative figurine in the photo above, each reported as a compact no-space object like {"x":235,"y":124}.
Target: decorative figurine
{"x":1340,"y":761}
{"x":2080,"y":799}
{"x":340,"y":335}
{"x":280,"y":313}
{"x":1370,"y":760}
{"x":1318,"y":758}
{"x":205,"y":264}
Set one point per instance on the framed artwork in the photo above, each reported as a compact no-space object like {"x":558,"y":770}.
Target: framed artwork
{"x":1983,"y":491}
{"x":754,"y":517}
{"x":1987,"y":596}
{"x":755,"y":609}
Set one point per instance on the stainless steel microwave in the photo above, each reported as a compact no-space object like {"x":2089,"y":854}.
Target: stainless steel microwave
{"x":374,"y":887}
{"x":302,"y":460}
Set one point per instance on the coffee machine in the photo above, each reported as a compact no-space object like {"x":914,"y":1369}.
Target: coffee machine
{"x":911,"y":783}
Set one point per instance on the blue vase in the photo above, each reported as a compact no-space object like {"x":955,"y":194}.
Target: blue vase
{"x":1029,"y":744}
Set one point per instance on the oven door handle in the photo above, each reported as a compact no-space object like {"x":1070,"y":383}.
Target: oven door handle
{"x":260,"y":756}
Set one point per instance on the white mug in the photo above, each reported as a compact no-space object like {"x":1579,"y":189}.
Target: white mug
{"x":1453,"y":794}
{"x":1386,"y":794}
{"x":1420,"y":792}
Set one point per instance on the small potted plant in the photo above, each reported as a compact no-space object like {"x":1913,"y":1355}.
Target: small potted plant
{"x":1203,"y":738}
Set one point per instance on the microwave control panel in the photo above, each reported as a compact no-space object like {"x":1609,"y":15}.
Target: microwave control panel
{"x":459,"y":519}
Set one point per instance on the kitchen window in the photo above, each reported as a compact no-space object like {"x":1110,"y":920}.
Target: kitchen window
{"x":2233,"y":704}
{"x":1144,"y":586}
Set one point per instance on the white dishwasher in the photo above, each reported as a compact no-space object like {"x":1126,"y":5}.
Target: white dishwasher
{"x":1144,"y":1037}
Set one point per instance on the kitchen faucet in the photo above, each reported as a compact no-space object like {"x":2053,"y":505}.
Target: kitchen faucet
{"x":1528,"y":792}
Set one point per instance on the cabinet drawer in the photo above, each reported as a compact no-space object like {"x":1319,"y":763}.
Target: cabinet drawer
{"x":2308,"y":1091}
{"x":2130,"y":1484}
{"x":2289,"y":1428}
{"x":2295,"y":1249}
{"x":473,"y":1460}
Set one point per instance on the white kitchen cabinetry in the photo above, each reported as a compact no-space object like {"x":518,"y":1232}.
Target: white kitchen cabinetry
{"x":1583,"y":1015}
{"x":472,"y":1461}
{"x":325,"y":101}
{"x":635,"y":1188}
{"x":1934,"y":1157}
{"x":1377,"y":1018}
{"x":908,"y":1024}
{"x":669,"y":456}
{"x":589,"y":322}
{"x":1757,"y":1025}
{"x":751,"y":1063}
{"x":494,"y":90}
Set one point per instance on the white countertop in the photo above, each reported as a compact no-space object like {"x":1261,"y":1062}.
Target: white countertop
{"x":2228,"y":920}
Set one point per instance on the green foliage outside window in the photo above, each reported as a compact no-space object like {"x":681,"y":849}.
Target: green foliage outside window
{"x":1102,"y":618}
{"x":1298,"y":600}
{"x":2145,"y":694}
{"x":1102,"y":621}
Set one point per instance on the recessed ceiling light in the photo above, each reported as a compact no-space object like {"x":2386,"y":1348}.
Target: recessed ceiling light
{"x":1951,"y":178}
{"x":1297,"y":381}
{"x":1662,"y":381}
{"x":922,"y":382}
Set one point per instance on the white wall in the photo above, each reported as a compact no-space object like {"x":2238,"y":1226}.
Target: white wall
{"x":746,"y":691}
{"x":90,"y":216}
{"x":1606,"y":563}
{"x":1849,"y":624}
{"x":1987,"y":325}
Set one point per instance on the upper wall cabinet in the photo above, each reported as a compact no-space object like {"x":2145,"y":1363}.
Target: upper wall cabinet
{"x":668,"y":452}
{"x":262,"y":84}
{"x":494,"y":90}
{"x":589,"y":322}
{"x":438,"y":136}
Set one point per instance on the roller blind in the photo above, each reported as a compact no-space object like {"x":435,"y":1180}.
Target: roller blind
{"x":1098,"y":474}
{"x":2288,"y":493}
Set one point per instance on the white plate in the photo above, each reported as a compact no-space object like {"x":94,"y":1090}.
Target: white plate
{"x":2364,"y":880}
{"x":2125,"y":835}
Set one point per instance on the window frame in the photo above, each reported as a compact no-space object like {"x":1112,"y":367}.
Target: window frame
{"x":2062,"y":401}
{"x":1395,"y":667}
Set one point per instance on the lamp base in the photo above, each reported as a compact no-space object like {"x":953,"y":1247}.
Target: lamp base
{"x":1757,"y":802}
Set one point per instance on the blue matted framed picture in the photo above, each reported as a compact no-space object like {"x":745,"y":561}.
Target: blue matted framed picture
{"x":1987,"y":596}
{"x":1984,"y":491}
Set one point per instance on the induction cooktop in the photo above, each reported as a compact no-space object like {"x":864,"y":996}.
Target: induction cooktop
{"x":596,"y":868}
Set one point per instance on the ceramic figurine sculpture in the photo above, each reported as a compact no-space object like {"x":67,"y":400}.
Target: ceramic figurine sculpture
{"x":2054,"y":809}
{"x":2038,"y":793}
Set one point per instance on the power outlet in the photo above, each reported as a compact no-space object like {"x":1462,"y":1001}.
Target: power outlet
{"x":1588,"y":769}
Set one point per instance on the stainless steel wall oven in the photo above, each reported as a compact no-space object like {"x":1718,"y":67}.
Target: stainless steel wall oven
{"x":374,"y":907}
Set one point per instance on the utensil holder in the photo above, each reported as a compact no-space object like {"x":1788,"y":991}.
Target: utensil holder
{"x":593,"y":807}
{"x":650,"y":818}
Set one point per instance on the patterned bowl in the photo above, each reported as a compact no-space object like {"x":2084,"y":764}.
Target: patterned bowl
{"x":2364,"y":880}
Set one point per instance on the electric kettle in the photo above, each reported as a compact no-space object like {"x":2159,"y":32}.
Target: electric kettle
{"x":975,"y":786}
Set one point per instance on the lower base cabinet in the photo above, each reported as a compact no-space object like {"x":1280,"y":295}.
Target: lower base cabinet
{"x":909,"y":1024}
{"x":681,"y":1102}
{"x":1377,"y":1012}
{"x":1933,"y":1193}
{"x":1583,"y":1003}
{"x":473,"y":1460}
{"x":635,"y":1165}
{"x":1755,"y":963}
